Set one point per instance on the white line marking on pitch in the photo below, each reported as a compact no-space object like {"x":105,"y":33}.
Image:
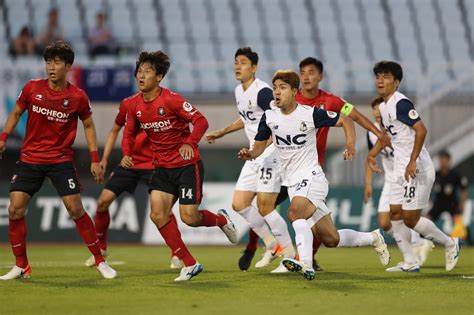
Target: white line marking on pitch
{"x":63,"y":264}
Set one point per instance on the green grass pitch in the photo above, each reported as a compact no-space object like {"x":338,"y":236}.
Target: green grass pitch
{"x":354,"y":282}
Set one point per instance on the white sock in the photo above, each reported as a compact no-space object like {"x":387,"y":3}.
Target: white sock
{"x":304,"y":240}
{"x":402,"y":235}
{"x":258,"y":225}
{"x":416,"y":239}
{"x":351,"y":238}
{"x":279,"y":228}
{"x":429,"y":230}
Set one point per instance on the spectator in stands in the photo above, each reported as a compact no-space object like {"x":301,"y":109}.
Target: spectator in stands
{"x":24,"y":44}
{"x":450,"y":195}
{"x":100,"y":38}
{"x":51,"y":31}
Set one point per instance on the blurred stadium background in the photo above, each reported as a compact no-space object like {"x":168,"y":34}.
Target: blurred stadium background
{"x":432,"y":39}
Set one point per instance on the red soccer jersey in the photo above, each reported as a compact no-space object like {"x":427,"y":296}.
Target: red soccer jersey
{"x":52,"y":121}
{"x":326,"y":101}
{"x":142,"y":153}
{"x":166,"y":121}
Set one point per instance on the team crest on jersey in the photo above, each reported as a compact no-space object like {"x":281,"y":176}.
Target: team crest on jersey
{"x":66,"y":103}
{"x":275,"y":127}
{"x":161,"y":111}
{"x":187,"y":107}
{"x":303,"y":126}
{"x":413,"y":114}
{"x":331,"y":114}
{"x":139,"y":113}
{"x":249,"y":106}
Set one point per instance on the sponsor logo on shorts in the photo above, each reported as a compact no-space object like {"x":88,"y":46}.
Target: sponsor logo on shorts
{"x":14,"y":177}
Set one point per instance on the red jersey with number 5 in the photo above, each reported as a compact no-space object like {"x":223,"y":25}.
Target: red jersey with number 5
{"x":52,"y":121}
{"x":326,"y":101}
{"x":166,"y":120}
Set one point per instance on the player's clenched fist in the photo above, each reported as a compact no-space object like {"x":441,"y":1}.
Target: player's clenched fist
{"x":244,"y":154}
{"x":97,"y":173}
{"x":126,"y":162}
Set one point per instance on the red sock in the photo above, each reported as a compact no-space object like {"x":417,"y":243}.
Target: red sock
{"x":253,"y":240}
{"x":86,"y":230}
{"x":173,"y":220}
{"x":17,"y":233}
{"x":102,"y":222}
{"x":172,"y":237}
{"x":211,"y":219}
{"x":316,"y":244}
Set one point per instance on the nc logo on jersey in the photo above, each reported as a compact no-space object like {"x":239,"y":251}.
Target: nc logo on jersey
{"x":331,"y":114}
{"x":187,"y":107}
{"x":161,"y":111}
{"x":289,"y":140}
{"x":66,"y":103}
{"x":413,"y":114}
{"x":303,"y":127}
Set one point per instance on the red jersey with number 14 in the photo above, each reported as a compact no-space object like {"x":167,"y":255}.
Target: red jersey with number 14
{"x":52,"y":121}
{"x":142,"y":154}
{"x":326,"y":101}
{"x":166,"y":121}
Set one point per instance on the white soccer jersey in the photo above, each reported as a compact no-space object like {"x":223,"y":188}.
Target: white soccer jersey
{"x":398,"y":117}
{"x":250,"y":106}
{"x":386,"y":154}
{"x":294,"y":137}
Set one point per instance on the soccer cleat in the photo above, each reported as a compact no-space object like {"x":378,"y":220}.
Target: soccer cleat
{"x":267,"y":259}
{"x":188,"y":272}
{"x":246,"y":260}
{"x":280,"y":269}
{"x":106,"y":271}
{"x":380,"y":247}
{"x":294,"y":265}
{"x":422,"y":251}
{"x":278,"y":250}
{"x":17,"y":273}
{"x":229,"y":229}
{"x":316,"y":266}
{"x":452,"y":254}
{"x":176,"y":263}
{"x":90,"y":262}
{"x":404,"y":267}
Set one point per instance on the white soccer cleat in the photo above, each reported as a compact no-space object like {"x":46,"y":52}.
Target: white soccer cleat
{"x":188,"y":272}
{"x":90,"y":262}
{"x":280,"y":269}
{"x":106,"y":271}
{"x":452,"y":254}
{"x":294,"y":265}
{"x":404,"y":267}
{"x":17,"y":273}
{"x":422,"y":251}
{"x":176,"y":263}
{"x":267,"y":259}
{"x":380,"y":247}
{"x":229,"y":229}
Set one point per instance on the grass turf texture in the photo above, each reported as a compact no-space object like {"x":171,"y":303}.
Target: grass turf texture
{"x":354,"y":283}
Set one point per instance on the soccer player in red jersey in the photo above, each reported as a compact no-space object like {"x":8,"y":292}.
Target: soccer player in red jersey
{"x":311,"y":74}
{"x":123,"y":180}
{"x":53,"y":106}
{"x":166,"y":117}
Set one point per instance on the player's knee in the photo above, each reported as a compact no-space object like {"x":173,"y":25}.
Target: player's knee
{"x":238,"y":206}
{"x":16,"y":213}
{"x":157,"y":218}
{"x":410,"y":222}
{"x":103,"y":205}
{"x":294,"y":214}
{"x":332,"y":240}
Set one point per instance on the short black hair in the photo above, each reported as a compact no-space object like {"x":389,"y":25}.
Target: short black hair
{"x":249,"y":53}
{"x":159,"y":61}
{"x":61,"y":50}
{"x":391,"y":67}
{"x":444,"y":153}
{"x":312,"y":61}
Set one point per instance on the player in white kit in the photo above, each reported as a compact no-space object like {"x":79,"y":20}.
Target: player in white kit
{"x":292,"y":128}
{"x":259,"y":177}
{"x":415,"y":173}
{"x":421,"y":247}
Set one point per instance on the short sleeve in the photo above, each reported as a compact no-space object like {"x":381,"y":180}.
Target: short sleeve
{"x":323,"y":118}
{"x":121,"y":115}
{"x":23,"y":99}
{"x":263,"y":132}
{"x":85,"y":110}
{"x":406,"y":112}
{"x":264,"y":97}
{"x":336,"y":104}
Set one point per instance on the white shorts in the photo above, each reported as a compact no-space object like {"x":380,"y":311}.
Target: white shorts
{"x":315,"y":188}
{"x":261,"y":175}
{"x":413,"y":195}
{"x":384,"y":200}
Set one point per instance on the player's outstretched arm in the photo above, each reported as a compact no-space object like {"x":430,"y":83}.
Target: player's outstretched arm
{"x":349,"y":131}
{"x":212,"y":136}
{"x":10,"y":125}
{"x":109,"y":144}
{"x":91,"y":138}
{"x":368,"y":182}
{"x":365,"y":123}
{"x":420,"y":135}
{"x":255,"y":152}
{"x":371,"y":161}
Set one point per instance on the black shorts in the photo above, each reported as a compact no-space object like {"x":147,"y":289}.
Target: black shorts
{"x":123,"y":179}
{"x":183,"y":182}
{"x":437,"y":210}
{"x":29,"y":178}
